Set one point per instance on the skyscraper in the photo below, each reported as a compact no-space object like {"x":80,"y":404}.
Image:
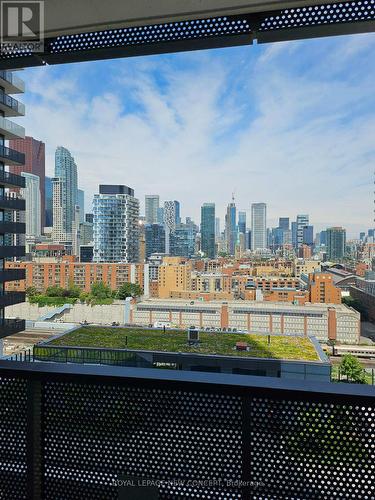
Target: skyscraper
{"x":336,"y":240}
{"x":208,"y":229}
{"x":302,"y":221}
{"x":31,"y":193}
{"x":217,"y":228}
{"x":48,"y":202}
{"x":34,"y":152}
{"x":116,"y":228}
{"x":151,"y":208}
{"x":155,"y":239}
{"x":64,"y":195}
{"x":258,"y":226}
{"x":242,"y":222}
{"x":81,"y":204}
{"x":284,"y":223}
{"x":231,"y":228}
{"x":308,"y":235}
{"x":171,"y":219}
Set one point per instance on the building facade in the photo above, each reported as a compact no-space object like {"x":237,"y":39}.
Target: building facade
{"x":42,"y":275}
{"x":208,"y":230}
{"x":35,"y":159}
{"x":155,"y":239}
{"x":151,"y":208}
{"x":258,"y":226}
{"x":116,"y":224}
{"x":65,"y":194}
{"x":48,"y":206}
{"x":336,"y":240}
{"x":325,"y":322}
{"x":231,"y":228}
{"x":12,"y":207}
{"x":32,"y":194}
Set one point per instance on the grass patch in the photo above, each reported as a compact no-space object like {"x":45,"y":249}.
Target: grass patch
{"x":44,"y":300}
{"x":281,"y":347}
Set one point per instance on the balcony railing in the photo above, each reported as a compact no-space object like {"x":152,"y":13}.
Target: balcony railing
{"x":11,"y":180}
{"x":11,"y":82}
{"x":12,"y":275}
{"x":12,"y":227}
{"x":11,"y":298}
{"x":10,"y":327}
{"x":11,"y":130}
{"x":11,"y":251}
{"x":83,"y":429}
{"x":12,"y":203}
{"x":11,"y":106}
{"x":11,"y":156}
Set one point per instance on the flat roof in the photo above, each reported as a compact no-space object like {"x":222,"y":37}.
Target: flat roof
{"x":297,"y":348}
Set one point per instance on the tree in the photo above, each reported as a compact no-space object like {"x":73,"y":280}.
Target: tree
{"x":352,"y":368}
{"x":55,"y":291}
{"x":100,"y":290}
{"x":74,"y":291}
{"x":128,"y":290}
{"x":31,"y":291}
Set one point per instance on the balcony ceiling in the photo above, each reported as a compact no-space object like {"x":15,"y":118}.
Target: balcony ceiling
{"x":79,"y":16}
{"x":138,"y":20}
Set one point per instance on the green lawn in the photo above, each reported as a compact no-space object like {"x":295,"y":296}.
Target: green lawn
{"x":297,"y":348}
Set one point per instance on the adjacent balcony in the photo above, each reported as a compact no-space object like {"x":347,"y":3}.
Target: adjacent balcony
{"x":12,"y":227}
{"x":12,"y":251}
{"x":11,"y":156}
{"x":11,"y":130}
{"x":10,"y":106}
{"x":8,"y":179}
{"x":12,"y":275}
{"x":11,"y":326}
{"x":11,"y":83}
{"x":11,"y":203}
{"x":11,"y":298}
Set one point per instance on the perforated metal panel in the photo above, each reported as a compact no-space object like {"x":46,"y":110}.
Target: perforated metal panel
{"x":94,"y":434}
{"x":343,"y":12}
{"x":312,"y":450}
{"x":13,"y":431}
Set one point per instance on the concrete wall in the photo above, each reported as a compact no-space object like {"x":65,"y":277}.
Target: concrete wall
{"x":105,"y":314}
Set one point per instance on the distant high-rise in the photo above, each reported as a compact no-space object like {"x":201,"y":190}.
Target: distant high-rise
{"x":116,"y":227}
{"x":151,"y":208}
{"x":258,"y":226}
{"x":242,"y":222}
{"x":65,"y":185}
{"x":171,"y":214}
{"x":336,"y":240}
{"x":231,"y":228}
{"x":155,"y":239}
{"x":48,"y":202}
{"x":284,"y":223}
{"x":217,"y":228}
{"x":81,"y":204}
{"x":208,"y":229}
{"x":302,"y":221}
{"x":323,"y":237}
{"x":182,"y":240}
{"x":34,"y":152}
{"x":31,"y":193}
{"x":308,"y":235}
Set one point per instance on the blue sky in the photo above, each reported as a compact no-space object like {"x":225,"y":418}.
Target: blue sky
{"x":291,"y":124}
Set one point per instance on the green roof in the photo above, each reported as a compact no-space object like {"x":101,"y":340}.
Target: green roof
{"x":280,"y":347}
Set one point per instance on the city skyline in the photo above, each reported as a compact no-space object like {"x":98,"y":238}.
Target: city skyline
{"x":229,"y":133}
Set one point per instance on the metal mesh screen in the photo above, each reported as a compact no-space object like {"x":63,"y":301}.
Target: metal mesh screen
{"x":13,"y":431}
{"x":95,"y":434}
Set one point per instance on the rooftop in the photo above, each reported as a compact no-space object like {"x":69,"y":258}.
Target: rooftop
{"x":281,"y":347}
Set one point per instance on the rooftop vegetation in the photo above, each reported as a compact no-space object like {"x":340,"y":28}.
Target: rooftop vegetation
{"x":280,"y":347}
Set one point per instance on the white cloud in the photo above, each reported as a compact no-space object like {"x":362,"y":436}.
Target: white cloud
{"x":297,"y":140}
